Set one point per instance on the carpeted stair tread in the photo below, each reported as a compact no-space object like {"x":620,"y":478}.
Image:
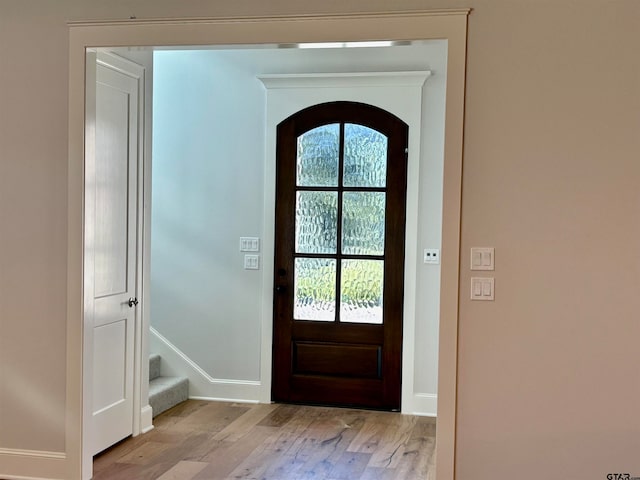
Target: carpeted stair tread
{"x":166,"y":392}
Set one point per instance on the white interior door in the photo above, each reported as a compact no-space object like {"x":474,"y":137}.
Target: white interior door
{"x":115,"y":256}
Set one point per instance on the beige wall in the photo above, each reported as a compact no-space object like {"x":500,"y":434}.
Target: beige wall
{"x":549,"y":372}
{"x":549,"y":381}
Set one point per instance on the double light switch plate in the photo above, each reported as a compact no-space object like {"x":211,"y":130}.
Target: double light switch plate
{"x":482,"y":258}
{"x":482,"y":288}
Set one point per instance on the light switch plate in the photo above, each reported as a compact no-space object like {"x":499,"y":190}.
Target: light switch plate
{"x":252,"y":262}
{"x":249,"y":244}
{"x":482,"y":288}
{"x":432,"y":256}
{"x":482,"y":258}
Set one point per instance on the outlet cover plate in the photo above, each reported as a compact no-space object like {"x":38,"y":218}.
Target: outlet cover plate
{"x":432,"y":256}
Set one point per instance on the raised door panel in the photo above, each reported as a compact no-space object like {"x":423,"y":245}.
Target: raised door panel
{"x":112,"y":172}
{"x":109,"y":364}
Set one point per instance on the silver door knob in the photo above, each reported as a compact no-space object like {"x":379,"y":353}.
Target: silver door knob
{"x":133,"y":302}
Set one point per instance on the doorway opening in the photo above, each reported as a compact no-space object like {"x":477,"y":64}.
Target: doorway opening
{"x":73,"y":185}
{"x":214,"y":176}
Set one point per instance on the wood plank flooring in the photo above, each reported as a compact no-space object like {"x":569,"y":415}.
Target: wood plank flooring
{"x":200,"y":440}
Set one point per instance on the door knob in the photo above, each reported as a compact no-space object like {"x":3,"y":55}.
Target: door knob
{"x":133,"y":302}
{"x":280,"y":288}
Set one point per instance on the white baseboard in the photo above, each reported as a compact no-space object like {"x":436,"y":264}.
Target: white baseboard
{"x":21,"y":477}
{"x":32,"y":453}
{"x":32,"y":464}
{"x":146,"y":419}
{"x":218,"y":399}
{"x":201,"y":385}
{"x":425,"y":404}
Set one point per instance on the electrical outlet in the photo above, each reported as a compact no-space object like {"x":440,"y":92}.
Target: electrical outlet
{"x":432,"y":256}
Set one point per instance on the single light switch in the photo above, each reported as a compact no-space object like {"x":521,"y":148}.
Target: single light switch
{"x":482,"y":288}
{"x":477,"y":288}
{"x":482,"y":258}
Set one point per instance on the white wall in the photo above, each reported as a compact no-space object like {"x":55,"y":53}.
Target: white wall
{"x":208,"y":174}
{"x":207,"y":192}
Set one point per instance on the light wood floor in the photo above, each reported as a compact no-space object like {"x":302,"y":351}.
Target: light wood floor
{"x":201,"y":440}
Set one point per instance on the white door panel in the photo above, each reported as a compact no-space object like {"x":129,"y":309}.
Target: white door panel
{"x":111,"y":228}
{"x":115,"y":241}
{"x":110,"y":362}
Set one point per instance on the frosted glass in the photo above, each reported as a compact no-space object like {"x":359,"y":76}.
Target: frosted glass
{"x":365,"y":157}
{"x":363,"y":223}
{"x":317,"y":157}
{"x":315,"y":289}
{"x":316,"y":222}
{"x":361,"y":291}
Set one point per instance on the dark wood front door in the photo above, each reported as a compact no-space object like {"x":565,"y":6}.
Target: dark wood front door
{"x":339,"y":256}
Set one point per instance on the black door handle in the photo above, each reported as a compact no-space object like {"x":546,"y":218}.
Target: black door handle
{"x":281,"y":288}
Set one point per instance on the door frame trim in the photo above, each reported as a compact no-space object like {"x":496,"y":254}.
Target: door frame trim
{"x":450,"y":25}
{"x":405,"y":88}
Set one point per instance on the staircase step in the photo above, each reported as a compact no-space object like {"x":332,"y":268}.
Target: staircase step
{"x":154,"y":366}
{"x":167,"y":392}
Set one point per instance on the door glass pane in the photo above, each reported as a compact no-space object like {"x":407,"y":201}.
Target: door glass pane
{"x":365,"y":157}
{"x":316,"y":222}
{"x":361,"y":291}
{"x":315,"y":289}
{"x":317,"y":157}
{"x":363,"y":223}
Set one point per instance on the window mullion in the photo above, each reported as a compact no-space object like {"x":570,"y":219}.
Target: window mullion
{"x":339,"y":226}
